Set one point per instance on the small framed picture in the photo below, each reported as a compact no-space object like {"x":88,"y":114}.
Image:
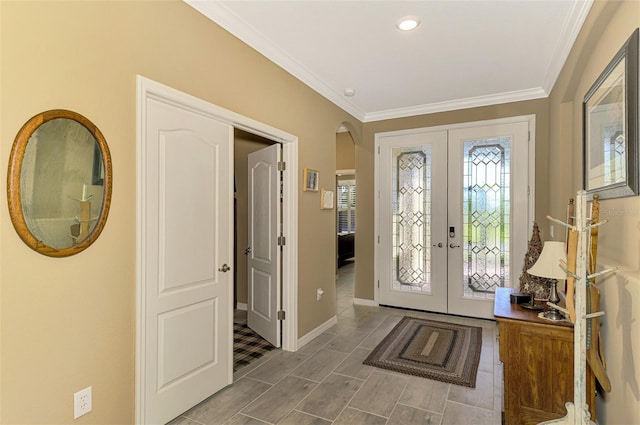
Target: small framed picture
{"x":326,"y":199}
{"x":310,"y":182}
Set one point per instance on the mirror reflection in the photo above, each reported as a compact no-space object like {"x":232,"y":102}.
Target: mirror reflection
{"x":60,"y":203}
{"x":59,"y":183}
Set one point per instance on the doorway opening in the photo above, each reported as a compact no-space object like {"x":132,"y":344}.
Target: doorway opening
{"x":255,"y":301}
{"x":345,"y":219}
{"x":185,"y":169}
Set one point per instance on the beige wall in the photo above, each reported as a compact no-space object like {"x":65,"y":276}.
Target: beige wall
{"x":69,"y":323}
{"x":345,"y":151}
{"x":364,"y":284}
{"x":607,"y":27}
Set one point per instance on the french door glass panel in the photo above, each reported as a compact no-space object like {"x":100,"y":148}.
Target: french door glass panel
{"x":485,"y":212}
{"x":411,"y":197}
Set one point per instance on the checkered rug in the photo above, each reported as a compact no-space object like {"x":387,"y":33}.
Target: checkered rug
{"x":247,"y":346}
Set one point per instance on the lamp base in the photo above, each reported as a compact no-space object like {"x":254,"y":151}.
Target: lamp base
{"x":553,"y":315}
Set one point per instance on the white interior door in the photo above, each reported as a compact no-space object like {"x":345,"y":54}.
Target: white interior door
{"x":263,"y":255}
{"x":186,"y":245}
{"x":412,"y":217}
{"x":489,"y":211}
{"x":453,"y":216}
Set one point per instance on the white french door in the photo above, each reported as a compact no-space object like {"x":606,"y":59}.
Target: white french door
{"x":453,"y":215}
{"x":413,"y":220}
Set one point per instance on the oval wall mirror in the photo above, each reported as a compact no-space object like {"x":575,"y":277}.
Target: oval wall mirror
{"x":59,"y":183}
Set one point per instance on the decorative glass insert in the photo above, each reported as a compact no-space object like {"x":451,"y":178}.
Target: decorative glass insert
{"x":486,"y":215}
{"x":411,"y":195}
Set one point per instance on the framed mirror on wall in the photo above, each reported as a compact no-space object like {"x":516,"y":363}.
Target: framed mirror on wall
{"x":59,"y":183}
{"x":610,"y":120}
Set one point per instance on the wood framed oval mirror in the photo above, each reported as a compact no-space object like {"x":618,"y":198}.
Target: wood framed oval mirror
{"x":59,"y":183}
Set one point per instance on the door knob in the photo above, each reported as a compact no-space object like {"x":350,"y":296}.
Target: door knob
{"x":247,"y":251}
{"x":439,"y":244}
{"x":224,"y":268}
{"x":451,"y":245}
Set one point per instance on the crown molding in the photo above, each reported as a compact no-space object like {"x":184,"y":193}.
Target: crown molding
{"x":224,"y":17}
{"x":572,"y":28}
{"x":471,"y":102}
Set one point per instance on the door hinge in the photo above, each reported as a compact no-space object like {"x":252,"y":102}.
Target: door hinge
{"x":378,"y":284}
{"x":281,"y":240}
{"x":281,"y":315}
{"x":282,"y":166}
{"x":378,"y":150}
{"x":378,"y":238}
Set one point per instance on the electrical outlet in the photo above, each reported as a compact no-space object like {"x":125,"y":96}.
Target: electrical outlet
{"x":81,"y":402}
{"x":319,"y":294}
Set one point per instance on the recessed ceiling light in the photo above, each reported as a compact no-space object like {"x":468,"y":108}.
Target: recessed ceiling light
{"x":408,"y":23}
{"x":349,"y":92}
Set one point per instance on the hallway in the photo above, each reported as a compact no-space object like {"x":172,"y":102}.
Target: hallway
{"x":326,"y":383}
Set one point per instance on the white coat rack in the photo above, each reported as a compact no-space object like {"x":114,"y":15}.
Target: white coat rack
{"x":578,"y":411}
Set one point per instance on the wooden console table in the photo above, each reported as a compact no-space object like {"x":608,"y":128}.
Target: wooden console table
{"x":537,"y":355}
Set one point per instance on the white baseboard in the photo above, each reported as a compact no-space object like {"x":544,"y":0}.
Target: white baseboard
{"x":241,"y":306}
{"x":362,"y":301}
{"x":316,"y":332}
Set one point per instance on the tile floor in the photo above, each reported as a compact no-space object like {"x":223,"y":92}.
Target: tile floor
{"x":325,"y":382}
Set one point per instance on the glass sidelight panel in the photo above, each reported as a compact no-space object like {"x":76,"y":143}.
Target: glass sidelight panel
{"x":486,"y":215}
{"x":411,"y":199}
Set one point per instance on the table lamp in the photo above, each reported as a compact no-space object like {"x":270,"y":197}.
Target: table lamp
{"x":548,"y":266}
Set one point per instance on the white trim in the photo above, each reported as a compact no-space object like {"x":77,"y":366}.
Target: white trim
{"x":317,"y":332}
{"x":362,"y":301}
{"x":147,"y":88}
{"x":346,"y":172}
{"x":531,"y":119}
{"x":241,"y":306}
{"x":453,"y":105}
{"x":572,"y":28}
{"x":532,"y":170}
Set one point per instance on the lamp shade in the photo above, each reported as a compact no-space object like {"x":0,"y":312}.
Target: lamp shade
{"x":548,"y":264}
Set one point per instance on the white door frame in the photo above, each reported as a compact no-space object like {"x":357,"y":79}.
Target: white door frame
{"x":147,"y":88}
{"x":531,"y":119}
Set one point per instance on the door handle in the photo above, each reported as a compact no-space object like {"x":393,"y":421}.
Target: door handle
{"x":451,"y":245}
{"x":247,"y":251}
{"x":439,"y":244}
{"x":224,"y":268}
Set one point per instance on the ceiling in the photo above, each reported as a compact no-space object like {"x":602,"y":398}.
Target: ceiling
{"x":463,"y":54}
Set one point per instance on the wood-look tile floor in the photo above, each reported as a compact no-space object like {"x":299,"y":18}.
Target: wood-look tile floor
{"x":326,"y":383}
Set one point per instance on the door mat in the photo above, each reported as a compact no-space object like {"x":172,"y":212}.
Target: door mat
{"x":445,"y":352}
